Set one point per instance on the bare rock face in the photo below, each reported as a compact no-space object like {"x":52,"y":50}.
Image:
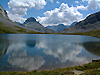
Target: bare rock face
{"x":34,"y":25}
{"x":31,"y":19}
{"x":3,"y":12}
{"x":91,"y":23}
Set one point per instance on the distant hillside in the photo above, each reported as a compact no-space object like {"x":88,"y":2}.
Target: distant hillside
{"x":60,"y":27}
{"x":57,"y":28}
{"x":73,"y":24}
{"x":91,"y":23}
{"x":31,"y":23}
{"x":18,"y":23}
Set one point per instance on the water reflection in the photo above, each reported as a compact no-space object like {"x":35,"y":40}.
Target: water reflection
{"x":63,"y":51}
{"x":3,"y":46}
{"x":31,"y":43}
{"x":92,"y":47}
{"x":19,"y":57}
{"x":46,"y":51}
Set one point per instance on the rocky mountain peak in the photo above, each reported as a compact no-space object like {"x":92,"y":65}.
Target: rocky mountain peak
{"x":61,"y":25}
{"x":91,"y":19}
{"x":31,"y":23}
{"x":3,"y":12}
{"x":31,"y":19}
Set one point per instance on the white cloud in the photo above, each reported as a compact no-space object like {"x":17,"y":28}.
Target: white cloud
{"x":57,"y":2}
{"x":20,"y":7}
{"x":81,"y":7}
{"x":38,"y":4}
{"x":76,"y":2}
{"x":93,"y":4}
{"x":64,"y":14}
{"x":16,"y":17}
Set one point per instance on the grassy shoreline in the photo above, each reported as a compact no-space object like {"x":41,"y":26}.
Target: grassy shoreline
{"x":92,"y":68}
{"x":90,"y":33}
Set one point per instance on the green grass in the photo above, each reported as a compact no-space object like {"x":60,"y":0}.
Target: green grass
{"x":5,"y":29}
{"x":90,"y":33}
{"x":89,"y":66}
{"x":49,"y":72}
{"x":18,"y":30}
{"x":22,"y":30}
{"x":33,"y":32}
{"x":92,"y":68}
{"x":92,"y":72}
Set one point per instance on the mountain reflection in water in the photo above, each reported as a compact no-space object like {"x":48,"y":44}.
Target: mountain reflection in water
{"x":3,"y":47}
{"x":46,"y":51}
{"x":92,"y":47}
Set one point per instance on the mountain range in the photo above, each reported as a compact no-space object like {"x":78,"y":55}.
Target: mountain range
{"x":57,"y":28}
{"x":60,"y":27}
{"x":8,"y":26}
{"x":18,"y":23}
{"x":91,"y":23}
{"x":73,"y":24}
{"x":31,"y":23}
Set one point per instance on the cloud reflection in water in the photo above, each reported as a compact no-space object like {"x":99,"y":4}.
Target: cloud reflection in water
{"x":34,"y":52}
{"x":19,"y":57}
{"x":62,"y":51}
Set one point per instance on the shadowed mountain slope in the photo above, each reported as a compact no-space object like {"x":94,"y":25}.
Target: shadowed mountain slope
{"x":91,"y":23}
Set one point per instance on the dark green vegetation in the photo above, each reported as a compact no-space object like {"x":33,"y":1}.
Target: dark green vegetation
{"x":5,"y":29}
{"x":90,"y":33}
{"x":92,"y":72}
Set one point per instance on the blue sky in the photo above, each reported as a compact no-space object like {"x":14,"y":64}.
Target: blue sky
{"x":50,"y":12}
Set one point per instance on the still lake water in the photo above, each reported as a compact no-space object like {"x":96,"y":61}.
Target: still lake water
{"x":25,"y":52}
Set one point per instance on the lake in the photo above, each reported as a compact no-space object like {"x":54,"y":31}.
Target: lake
{"x":26,"y":52}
